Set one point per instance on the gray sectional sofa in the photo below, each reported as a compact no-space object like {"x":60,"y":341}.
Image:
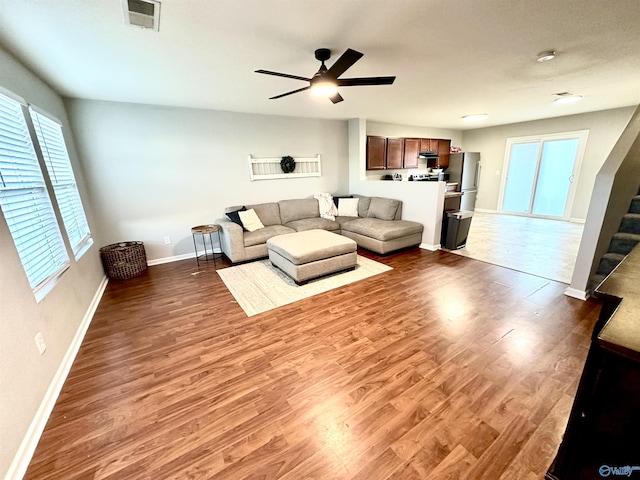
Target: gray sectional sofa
{"x":378,"y":227}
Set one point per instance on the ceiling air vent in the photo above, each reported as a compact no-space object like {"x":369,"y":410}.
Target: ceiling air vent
{"x":142,"y":13}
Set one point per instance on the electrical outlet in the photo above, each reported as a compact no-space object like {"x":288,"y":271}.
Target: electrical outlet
{"x":167,"y":240}
{"x":40,"y":343}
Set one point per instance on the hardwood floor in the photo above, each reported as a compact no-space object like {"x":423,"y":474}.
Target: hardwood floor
{"x":442,"y":368}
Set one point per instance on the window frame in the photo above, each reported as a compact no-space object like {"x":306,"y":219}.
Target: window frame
{"x":78,"y":219}
{"x":35,"y":222}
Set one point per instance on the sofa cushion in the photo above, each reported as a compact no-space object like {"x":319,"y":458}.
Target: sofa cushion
{"x":363,"y":205}
{"x":382,"y":230}
{"x":261,"y":236}
{"x":250,"y":220}
{"x":383,"y":208}
{"x":313,"y":224}
{"x":292,"y":210}
{"x":268,"y":213}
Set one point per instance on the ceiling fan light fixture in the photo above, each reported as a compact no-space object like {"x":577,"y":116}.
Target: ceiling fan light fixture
{"x":324,"y":88}
{"x":546,"y":56}
{"x":567,"y":97}
{"x":476,"y":117}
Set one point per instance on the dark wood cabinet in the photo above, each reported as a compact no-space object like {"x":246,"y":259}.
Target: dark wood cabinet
{"x":395,"y":151}
{"x":441,"y":146}
{"x":376,"y":153}
{"x":426,"y":145}
{"x":444,"y":149}
{"x":411,"y":151}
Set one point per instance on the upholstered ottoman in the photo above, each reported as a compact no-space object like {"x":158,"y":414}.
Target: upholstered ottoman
{"x":311,"y":254}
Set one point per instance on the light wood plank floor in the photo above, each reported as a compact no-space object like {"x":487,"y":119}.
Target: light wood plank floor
{"x":539,"y":246}
{"x":442,"y":368}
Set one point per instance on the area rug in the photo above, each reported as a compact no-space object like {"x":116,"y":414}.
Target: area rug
{"x":259,"y":286}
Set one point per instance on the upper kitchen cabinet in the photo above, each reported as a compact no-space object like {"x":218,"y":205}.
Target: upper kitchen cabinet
{"x":411,"y":151}
{"x":444,"y":149}
{"x":429,"y":144}
{"x":376,"y":153}
{"x":395,"y":152}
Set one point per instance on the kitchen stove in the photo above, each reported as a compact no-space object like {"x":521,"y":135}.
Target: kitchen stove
{"x":425,"y":177}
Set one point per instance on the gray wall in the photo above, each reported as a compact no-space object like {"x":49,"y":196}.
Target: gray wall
{"x":604,"y":128}
{"x":158,"y":171}
{"x":25,"y":375}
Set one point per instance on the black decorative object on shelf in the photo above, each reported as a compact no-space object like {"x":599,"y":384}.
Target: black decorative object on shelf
{"x":287,"y":164}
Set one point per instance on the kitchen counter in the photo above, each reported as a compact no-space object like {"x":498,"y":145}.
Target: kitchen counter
{"x":452,"y":194}
{"x":621,"y":333}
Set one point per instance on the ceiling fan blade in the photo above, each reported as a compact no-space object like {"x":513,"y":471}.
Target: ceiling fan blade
{"x":285,"y":75}
{"x":336,"y":98}
{"x":347,"y":59}
{"x":291,"y":92}
{"x":353,"y":82}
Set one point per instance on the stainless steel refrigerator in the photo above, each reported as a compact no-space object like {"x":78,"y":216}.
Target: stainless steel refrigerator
{"x":464,"y":169}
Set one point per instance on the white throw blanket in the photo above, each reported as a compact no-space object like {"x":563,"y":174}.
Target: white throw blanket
{"x":327,"y":208}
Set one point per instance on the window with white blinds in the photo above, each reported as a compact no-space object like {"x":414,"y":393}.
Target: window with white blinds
{"x":25,"y":202}
{"x":56,"y":158}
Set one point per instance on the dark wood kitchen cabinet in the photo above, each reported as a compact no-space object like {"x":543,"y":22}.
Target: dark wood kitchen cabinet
{"x":395,"y":152}
{"x":376,"y":153}
{"x":428,"y":145}
{"x":444,"y":149}
{"x":411,"y":151}
{"x":441,"y":146}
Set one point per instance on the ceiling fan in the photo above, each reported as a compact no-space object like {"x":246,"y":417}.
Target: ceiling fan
{"x":326,"y":80}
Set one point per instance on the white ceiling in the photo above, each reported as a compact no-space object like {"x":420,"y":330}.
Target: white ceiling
{"x":451,"y":57}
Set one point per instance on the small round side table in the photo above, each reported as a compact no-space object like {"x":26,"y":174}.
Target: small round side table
{"x":205,"y":231}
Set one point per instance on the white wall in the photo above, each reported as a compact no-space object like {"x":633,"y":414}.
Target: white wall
{"x":604,"y":128}
{"x":158,"y":171}
{"x":25,"y":375}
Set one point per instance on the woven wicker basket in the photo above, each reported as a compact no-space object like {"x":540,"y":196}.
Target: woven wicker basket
{"x":125,"y":260}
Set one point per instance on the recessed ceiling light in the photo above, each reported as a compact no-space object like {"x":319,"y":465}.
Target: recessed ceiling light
{"x":567,"y":97}
{"x":476,"y":117}
{"x":546,"y":56}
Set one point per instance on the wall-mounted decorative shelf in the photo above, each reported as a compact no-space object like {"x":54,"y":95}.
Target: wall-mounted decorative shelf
{"x":268,"y":168}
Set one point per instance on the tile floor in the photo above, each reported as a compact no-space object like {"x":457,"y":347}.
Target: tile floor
{"x":546,"y":248}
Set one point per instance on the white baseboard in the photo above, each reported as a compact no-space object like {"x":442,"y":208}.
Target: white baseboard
{"x":427,"y":246}
{"x":575,"y":293}
{"x":485,"y":210}
{"x":20,"y":463}
{"x":177,"y":258}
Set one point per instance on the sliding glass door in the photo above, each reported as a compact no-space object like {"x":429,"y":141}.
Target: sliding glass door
{"x":541,"y":174}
